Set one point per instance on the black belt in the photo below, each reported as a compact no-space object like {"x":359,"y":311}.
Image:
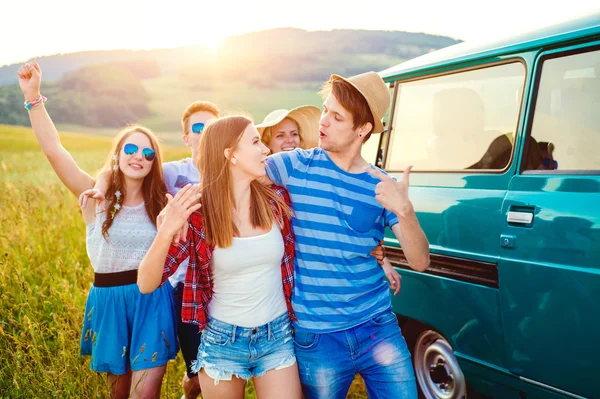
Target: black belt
{"x":115,"y":279}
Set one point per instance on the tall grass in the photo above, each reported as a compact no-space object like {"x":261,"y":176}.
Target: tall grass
{"x":45,"y":274}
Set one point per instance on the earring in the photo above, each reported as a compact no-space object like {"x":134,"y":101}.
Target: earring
{"x":116,"y":163}
{"x":234,"y":161}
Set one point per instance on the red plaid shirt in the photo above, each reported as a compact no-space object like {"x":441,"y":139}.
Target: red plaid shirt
{"x":198,"y":284}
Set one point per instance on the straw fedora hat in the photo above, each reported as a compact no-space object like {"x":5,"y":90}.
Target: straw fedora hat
{"x":374,"y":90}
{"x":307,"y":117}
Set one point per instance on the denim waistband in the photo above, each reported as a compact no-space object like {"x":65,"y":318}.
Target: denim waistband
{"x":277,"y":324}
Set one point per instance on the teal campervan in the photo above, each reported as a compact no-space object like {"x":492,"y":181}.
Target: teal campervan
{"x":504,"y":140}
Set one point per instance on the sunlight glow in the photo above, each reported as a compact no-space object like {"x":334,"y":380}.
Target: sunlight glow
{"x":150,"y":24}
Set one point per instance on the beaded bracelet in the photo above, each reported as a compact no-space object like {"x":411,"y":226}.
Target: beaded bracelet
{"x":35,"y":103}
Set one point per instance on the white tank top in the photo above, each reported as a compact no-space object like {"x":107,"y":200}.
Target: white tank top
{"x":247,"y":287}
{"x":128,"y":240}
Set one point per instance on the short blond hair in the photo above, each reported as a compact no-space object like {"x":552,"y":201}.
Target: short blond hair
{"x":197,"y":107}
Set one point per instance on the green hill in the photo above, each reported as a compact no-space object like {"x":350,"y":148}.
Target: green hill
{"x":255,"y":72}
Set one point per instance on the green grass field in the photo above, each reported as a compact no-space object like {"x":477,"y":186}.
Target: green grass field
{"x":45,"y":274}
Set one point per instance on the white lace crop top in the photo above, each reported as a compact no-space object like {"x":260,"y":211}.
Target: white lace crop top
{"x":128,"y":240}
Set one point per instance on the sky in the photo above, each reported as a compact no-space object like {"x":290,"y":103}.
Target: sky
{"x":42,"y":27}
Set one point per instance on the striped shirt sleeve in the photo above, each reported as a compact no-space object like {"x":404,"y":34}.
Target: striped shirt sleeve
{"x":280,"y":166}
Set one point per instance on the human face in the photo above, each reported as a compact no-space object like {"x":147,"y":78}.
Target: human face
{"x":284,"y":136}
{"x":135,"y":166}
{"x":336,"y":127}
{"x":250,"y":155}
{"x":190,"y":138}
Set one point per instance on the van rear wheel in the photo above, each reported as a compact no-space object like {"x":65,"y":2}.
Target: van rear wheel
{"x":438,"y":374}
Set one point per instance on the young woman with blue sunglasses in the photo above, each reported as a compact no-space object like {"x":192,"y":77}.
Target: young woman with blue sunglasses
{"x":129,"y":336}
{"x":177,"y":174}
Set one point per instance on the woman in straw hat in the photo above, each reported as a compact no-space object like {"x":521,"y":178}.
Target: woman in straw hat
{"x":284,"y":130}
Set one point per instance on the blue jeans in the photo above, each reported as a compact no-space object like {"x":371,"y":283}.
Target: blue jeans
{"x":375,"y":349}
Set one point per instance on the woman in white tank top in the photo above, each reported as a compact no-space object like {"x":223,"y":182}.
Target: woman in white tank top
{"x":239,"y":280}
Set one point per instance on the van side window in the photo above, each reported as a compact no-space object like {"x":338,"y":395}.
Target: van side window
{"x":463,"y":121}
{"x":565,"y":134}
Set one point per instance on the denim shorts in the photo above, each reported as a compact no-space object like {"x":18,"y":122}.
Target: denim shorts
{"x":227,"y":350}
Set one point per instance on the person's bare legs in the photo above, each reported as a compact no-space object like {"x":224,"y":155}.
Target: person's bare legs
{"x":145,"y":384}
{"x":191,"y":386}
{"x":119,"y":385}
{"x":275,"y":384}
{"x":233,"y":389}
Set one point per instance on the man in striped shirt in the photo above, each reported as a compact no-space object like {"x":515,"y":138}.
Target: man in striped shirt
{"x":341,"y":207}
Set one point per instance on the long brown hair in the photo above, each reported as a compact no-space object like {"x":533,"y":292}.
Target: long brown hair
{"x":153,"y":186}
{"x":217,"y":185}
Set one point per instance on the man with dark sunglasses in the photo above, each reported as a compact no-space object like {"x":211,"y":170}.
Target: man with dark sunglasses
{"x":177,"y":175}
{"x":195,"y":117}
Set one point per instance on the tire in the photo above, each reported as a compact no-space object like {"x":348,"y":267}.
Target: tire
{"x":437,"y":371}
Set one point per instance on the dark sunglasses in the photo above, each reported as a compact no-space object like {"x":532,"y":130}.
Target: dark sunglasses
{"x":197,"y":128}
{"x":131,"y":149}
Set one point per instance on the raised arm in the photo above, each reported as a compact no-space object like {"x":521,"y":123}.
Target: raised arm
{"x":412,"y":239}
{"x":76,"y":180}
{"x":393,"y":195}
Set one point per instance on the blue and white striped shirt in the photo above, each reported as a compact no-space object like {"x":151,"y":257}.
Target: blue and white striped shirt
{"x":337,"y":222}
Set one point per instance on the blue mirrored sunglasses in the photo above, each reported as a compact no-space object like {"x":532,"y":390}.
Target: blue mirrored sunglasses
{"x":197,"y":128}
{"x":131,"y":149}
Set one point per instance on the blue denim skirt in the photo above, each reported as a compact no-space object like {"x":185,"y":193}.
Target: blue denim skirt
{"x":124,"y":328}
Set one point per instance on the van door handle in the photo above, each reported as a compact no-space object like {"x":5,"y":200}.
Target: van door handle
{"x":520,"y":215}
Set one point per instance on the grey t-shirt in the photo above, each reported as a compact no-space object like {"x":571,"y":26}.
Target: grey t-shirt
{"x":177,"y":175}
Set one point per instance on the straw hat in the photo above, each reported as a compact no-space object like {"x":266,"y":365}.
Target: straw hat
{"x":307,"y":117}
{"x":374,"y":90}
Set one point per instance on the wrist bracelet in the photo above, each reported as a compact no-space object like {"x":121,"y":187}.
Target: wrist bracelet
{"x":35,"y":103}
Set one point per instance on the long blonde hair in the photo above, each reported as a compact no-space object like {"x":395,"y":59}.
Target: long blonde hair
{"x":217,"y":185}
{"x":153,"y":186}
